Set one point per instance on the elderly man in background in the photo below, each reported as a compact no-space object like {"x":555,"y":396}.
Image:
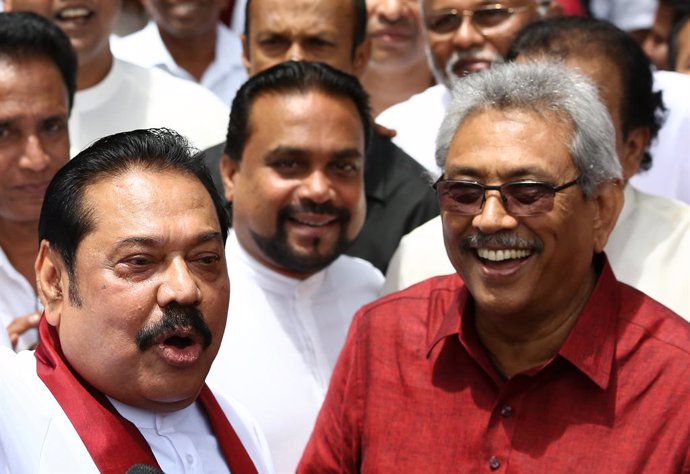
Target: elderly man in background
{"x":462,"y":37}
{"x":114,"y":95}
{"x":650,"y":245}
{"x":37,"y":87}
{"x":131,"y":271}
{"x":536,"y":359}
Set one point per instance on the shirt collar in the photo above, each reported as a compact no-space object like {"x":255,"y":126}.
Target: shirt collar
{"x":590,"y":346}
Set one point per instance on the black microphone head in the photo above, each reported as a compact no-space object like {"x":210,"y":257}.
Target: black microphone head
{"x":143,"y":469}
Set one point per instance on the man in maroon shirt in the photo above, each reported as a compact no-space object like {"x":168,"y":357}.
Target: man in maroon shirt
{"x":536,"y":359}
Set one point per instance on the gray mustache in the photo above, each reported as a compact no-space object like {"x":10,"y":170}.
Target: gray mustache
{"x":501,"y":239}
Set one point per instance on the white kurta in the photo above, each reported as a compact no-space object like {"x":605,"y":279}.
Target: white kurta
{"x":648,"y":249}
{"x":222,"y":77}
{"x":132,"y":97}
{"x":37,"y":437}
{"x":17,"y":298}
{"x":416,"y":122}
{"x":281,"y":342}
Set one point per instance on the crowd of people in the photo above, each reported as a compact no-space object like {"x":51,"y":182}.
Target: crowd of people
{"x":315,"y":236}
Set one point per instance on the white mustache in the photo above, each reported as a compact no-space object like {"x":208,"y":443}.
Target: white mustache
{"x":477,"y":54}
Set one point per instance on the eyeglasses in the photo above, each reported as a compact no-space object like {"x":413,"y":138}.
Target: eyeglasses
{"x":485,"y":18}
{"x":519,"y":198}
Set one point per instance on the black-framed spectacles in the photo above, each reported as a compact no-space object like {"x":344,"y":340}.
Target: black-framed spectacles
{"x":485,"y":18}
{"x":519,"y":198}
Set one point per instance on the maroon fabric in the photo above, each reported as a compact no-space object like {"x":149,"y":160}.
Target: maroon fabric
{"x":414,"y":391}
{"x":113,"y":442}
{"x":572,"y":7}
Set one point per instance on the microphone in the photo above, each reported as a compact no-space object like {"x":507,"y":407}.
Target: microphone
{"x":143,"y":469}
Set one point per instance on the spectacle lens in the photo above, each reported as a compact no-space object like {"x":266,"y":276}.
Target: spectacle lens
{"x":519,"y":198}
{"x":484,"y":18}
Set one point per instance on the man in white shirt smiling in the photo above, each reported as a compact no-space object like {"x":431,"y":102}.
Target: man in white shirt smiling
{"x":131,"y":271}
{"x":293,"y":170}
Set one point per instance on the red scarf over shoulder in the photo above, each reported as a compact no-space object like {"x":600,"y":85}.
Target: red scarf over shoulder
{"x":114,"y":443}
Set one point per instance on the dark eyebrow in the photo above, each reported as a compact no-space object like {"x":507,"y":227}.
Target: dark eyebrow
{"x":157,"y":242}
{"x":294,"y":152}
{"x":347,"y":153}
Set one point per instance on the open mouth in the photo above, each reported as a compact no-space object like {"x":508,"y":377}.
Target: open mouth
{"x":180,"y":347}
{"x":314,"y":220}
{"x":75,"y":15}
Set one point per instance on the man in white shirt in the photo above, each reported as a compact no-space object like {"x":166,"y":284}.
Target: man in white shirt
{"x":293,"y":172}
{"x":131,"y":270}
{"x":36,"y":93}
{"x":187,"y":40}
{"x":462,"y":36}
{"x":650,"y":245}
{"x":114,"y":95}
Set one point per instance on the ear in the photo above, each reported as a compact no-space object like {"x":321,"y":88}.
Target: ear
{"x":361,"y":58}
{"x":228,"y":172}
{"x":51,"y":281}
{"x":245,"y":54}
{"x":632,"y":151}
{"x":608,"y":204}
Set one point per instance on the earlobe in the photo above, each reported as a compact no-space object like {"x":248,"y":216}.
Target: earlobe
{"x":361,"y":58}
{"x":228,"y":171}
{"x":633,"y":150}
{"x":608,"y":202}
{"x":50,"y":282}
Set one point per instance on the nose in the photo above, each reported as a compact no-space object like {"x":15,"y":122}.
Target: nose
{"x":467,"y":35}
{"x":34,"y":156}
{"x":316,"y":187}
{"x":178,"y":285}
{"x":494,"y":217}
{"x":391,"y":10}
{"x":296,"y":53}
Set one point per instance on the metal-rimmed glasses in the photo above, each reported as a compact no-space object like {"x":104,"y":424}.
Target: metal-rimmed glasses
{"x":485,"y":18}
{"x":519,"y":198}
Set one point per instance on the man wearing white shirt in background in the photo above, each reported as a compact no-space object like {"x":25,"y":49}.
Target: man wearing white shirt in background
{"x":650,"y":245}
{"x":187,"y":40}
{"x":131,"y":270}
{"x":114,"y":95}
{"x":293,"y":172}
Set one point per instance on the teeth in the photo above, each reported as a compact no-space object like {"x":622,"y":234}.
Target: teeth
{"x":501,"y":255}
{"x":313,"y":223}
{"x":75,"y":12}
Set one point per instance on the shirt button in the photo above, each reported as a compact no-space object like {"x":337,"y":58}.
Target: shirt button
{"x":494,"y":463}
{"x":506,"y":411}
{"x":190,"y":459}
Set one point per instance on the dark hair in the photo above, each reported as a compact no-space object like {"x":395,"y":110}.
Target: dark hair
{"x":673,"y":45}
{"x":561,"y":37}
{"x":66,"y":219}
{"x":292,"y":77}
{"x":359,"y":26}
{"x":26,"y":36}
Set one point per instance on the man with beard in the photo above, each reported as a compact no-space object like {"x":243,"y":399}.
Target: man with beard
{"x":293,"y":172}
{"x":462,"y":37}
{"x":131,"y":271}
{"x":533,"y":357}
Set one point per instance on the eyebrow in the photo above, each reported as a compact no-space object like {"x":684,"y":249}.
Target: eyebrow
{"x":295,"y":152}
{"x":158,"y":242}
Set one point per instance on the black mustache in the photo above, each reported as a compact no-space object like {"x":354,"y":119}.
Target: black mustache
{"x":174,"y":316}
{"x":328,"y":208}
{"x":501,"y":239}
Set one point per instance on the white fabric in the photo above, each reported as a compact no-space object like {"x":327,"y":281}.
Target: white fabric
{"x":416,"y":122}
{"x":627,"y":15}
{"x":37,"y":437}
{"x":648,"y":249}
{"x":222,"y":77}
{"x":281,"y":342}
{"x":132,"y":97}
{"x":238,"y":15}
{"x":670,"y":172}
{"x":17,"y":298}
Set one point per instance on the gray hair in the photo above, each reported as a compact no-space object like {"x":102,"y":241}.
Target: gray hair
{"x":542,"y":88}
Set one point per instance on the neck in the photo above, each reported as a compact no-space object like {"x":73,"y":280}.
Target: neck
{"x":385,"y":92}
{"x":19,"y":242}
{"x":519,"y":342}
{"x":93,"y":70}
{"x":194,"y":55}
